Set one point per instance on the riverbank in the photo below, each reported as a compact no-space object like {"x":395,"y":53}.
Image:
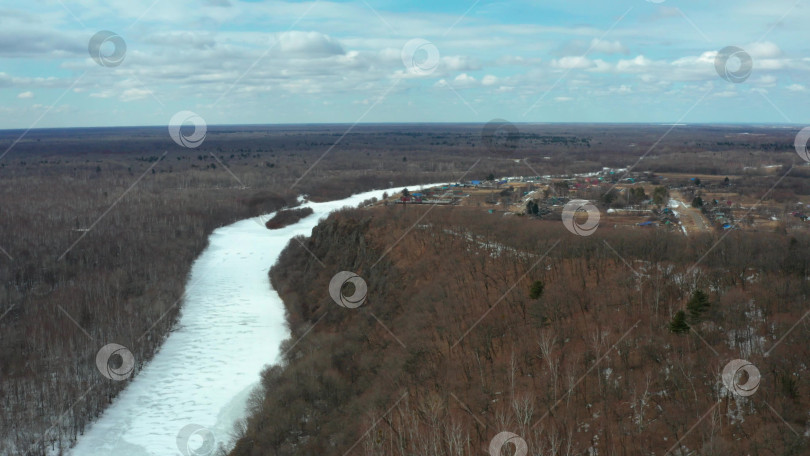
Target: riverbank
{"x":231,"y":326}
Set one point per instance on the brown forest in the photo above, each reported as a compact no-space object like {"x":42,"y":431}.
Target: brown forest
{"x":99,"y":227}
{"x":452,"y":347}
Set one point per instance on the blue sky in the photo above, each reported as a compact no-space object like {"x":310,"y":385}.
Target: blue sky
{"x":345,"y":61}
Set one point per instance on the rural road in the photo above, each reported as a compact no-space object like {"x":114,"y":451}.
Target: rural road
{"x":697,"y":222}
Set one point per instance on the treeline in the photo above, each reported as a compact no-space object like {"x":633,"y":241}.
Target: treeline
{"x":476,"y":324}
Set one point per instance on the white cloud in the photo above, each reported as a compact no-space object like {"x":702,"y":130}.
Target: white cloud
{"x":489,"y":80}
{"x":771,"y":64}
{"x":763,"y":50}
{"x":464,"y":81}
{"x":134,"y":94}
{"x":516,"y":60}
{"x":726,"y":94}
{"x":308,"y":44}
{"x":27,"y":94}
{"x":341,"y":52}
{"x":607,"y":47}
{"x":572,"y":62}
{"x":459,"y":63}
{"x":103,"y":94}
{"x":601,"y":66}
{"x":639,"y":63}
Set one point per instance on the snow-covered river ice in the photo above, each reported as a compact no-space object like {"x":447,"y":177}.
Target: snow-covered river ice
{"x":231,"y":326}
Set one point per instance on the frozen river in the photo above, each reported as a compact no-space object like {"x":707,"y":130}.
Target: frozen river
{"x":231,"y":326}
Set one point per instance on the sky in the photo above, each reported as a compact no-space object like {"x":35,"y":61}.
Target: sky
{"x":77,"y":63}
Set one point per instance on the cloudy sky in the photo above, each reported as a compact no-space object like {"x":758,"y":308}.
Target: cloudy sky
{"x":235,"y":62}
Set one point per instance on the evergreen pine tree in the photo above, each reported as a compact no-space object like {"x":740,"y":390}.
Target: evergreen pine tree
{"x":697,"y":305}
{"x":536,"y":290}
{"x":678,"y":324}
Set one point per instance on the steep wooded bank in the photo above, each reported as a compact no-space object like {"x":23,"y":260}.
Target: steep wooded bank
{"x":584,"y":362}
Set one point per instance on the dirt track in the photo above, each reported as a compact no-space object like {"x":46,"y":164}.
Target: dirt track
{"x":691,"y":218}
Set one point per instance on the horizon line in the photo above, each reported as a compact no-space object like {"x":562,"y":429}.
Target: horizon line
{"x":323,"y":124}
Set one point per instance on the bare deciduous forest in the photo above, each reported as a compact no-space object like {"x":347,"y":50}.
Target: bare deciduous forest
{"x":99,"y":228}
{"x":585,"y":365}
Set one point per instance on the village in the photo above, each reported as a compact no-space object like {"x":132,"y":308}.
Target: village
{"x":637,"y":200}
